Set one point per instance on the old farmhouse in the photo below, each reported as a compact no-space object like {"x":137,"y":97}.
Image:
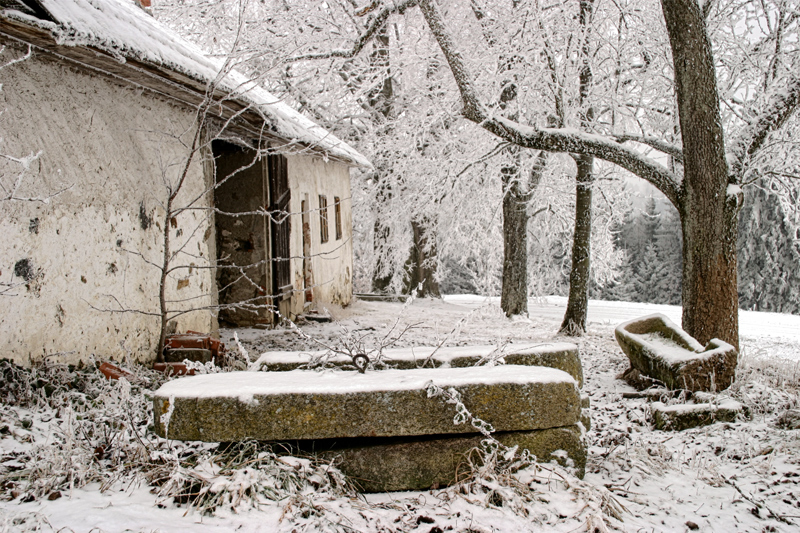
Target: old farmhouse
{"x":119,"y":137}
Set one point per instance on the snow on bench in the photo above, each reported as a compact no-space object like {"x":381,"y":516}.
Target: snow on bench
{"x":658,"y":348}
{"x":563,"y":356}
{"x":381,"y":426}
{"x":333,"y":404}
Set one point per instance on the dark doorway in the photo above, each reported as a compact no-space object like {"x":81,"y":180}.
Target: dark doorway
{"x":242,"y":238}
{"x":280,"y":231}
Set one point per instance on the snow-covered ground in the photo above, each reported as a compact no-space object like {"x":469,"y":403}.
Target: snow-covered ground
{"x":742,"y":476}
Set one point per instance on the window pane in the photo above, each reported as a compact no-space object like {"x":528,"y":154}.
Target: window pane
{"x":337,"y":215}
{"x":323,"y":218}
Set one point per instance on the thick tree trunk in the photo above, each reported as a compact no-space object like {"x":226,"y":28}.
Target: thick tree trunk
{"x":514,"y":297}
{"x":574,"y":322}
{"x":422,"y":262}
{"x":708,"y":213}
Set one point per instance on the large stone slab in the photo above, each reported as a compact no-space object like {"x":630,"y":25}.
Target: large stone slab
{"x":691,"y":415}
{"x":335,"y":404}
{"x":660,"y":349}
{"x":395,"y":464}
{"x":562,"y":355}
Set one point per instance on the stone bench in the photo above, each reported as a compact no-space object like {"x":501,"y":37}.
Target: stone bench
{"x":661,"y":350}
{"x":389,"y":434}
{"x":563,"y":356}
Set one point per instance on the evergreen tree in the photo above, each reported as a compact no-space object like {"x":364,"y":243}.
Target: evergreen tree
{"x":769,"y":255}
{"x":650,"y":276}
{"x":652,"y":271}
{"x":669,"y":246}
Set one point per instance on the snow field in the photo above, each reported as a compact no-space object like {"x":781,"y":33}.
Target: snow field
{"x":742,"y":476}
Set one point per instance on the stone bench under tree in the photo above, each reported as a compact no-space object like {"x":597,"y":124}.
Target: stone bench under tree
{"x":383,"y":427}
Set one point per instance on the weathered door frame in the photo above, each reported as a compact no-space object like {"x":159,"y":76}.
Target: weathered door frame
{"x":279,"y":234}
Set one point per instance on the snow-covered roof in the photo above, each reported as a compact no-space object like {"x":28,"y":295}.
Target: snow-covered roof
{"x":127,"y":32}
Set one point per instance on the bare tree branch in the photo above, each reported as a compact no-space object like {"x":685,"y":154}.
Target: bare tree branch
{"x":377,"y":23}
{"x":777,"y":111}
{"x":549,"y":139}
{"x":652,"y":142}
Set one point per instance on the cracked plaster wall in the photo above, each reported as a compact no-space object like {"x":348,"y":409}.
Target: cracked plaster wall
{"x":110,"y":146}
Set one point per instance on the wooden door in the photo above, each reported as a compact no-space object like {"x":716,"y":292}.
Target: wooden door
{"x":280,"y":231}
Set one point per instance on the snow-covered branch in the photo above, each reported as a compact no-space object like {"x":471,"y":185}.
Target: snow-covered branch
{"x":377,"y":23}
{"x":776,"y":112}
{"x":550,"y":139}
{"x":652,"y":142}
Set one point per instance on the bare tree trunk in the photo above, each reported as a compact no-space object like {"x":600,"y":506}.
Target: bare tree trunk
{"x":381,"y":275}
{"x":517,"y":194}
{"x":514,"y":296}
{"x":422,"y":262}
{"x":169,"y":214}
{"x":162,"y":282}
{"x":574,"y":322}
{"x":708,"y":214}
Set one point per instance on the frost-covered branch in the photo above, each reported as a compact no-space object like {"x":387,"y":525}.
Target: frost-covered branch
{"x":549,"y":139}
{"x":777,"y":111}
{"x":652,"y":142}
{"x":377,"y":23}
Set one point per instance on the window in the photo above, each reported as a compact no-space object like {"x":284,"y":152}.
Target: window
{"x":337,"y":216}
{"x":323,"y":218}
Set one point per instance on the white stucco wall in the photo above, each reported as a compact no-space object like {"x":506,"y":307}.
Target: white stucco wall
{"x":331,"y":262}
{"x":112,"y":147}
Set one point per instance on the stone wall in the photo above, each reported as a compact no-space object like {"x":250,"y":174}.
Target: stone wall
{"x":85,"y":251}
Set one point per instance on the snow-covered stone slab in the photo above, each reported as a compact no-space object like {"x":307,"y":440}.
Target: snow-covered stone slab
{"x":385,"y":465}
{"x":563,"y":356}
{"x":658,"y":348}
{"x":685,"y":416}
{"x":300,"y":405}
{"x":378,"y":297}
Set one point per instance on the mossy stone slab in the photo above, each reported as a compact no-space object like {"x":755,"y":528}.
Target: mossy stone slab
{"x":300,"y":405}
{"x":561,"y":355}
{"x":661,"y":350}
{"x":686,"y":416}
{"x":385,"y":465}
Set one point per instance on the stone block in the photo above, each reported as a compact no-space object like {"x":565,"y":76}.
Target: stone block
{"x":381,"y":297}
{"x":300,"y":405}
{"x":661,"y":350}
{"x":563,"y":356}
{"x":686,"y":416}
{"x":419,"y":463}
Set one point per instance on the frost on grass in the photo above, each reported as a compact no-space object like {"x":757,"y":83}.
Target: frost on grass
{"x":64,"y":428}
{"x":739,"y":476}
